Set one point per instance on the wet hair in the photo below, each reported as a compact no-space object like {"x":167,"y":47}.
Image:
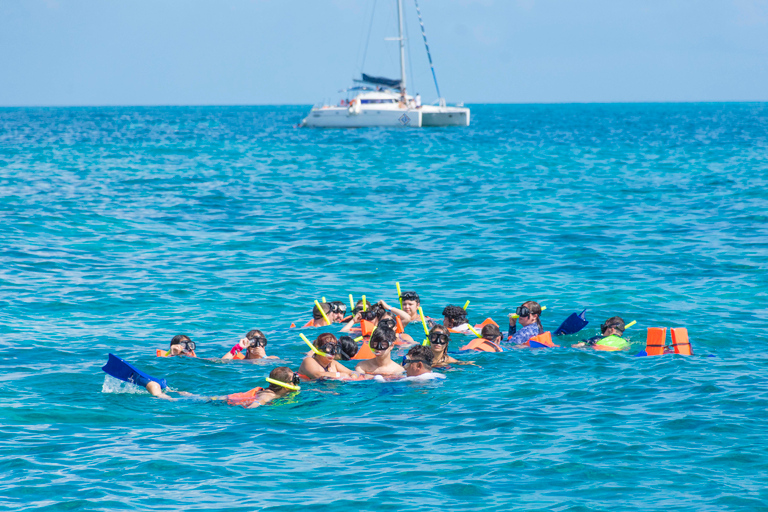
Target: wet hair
{"x":457,"y":315}
{"x":179,"y":338}
{"x":348,"y":348}
{"x":384,"y":334}
{"x":324,"y":339}
{"x":317,"y":315}
{"x":535,"y":309}
{"x":616,"y":322}
{"x":491,"y":332}
{"x":421,"y":352}
{"x":255,"y":333}
{"x":281,"y":373}
{"x":411,"y":296}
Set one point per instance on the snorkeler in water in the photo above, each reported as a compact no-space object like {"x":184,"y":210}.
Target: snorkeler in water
{"x":254,"y":344}
{"x":418,"y":364}
{"x":610,"y":336}
{"x":181,"y":345}
{"x":281,"y":382}
{"x":324,"y":365}
{"x":529,"y":314}
{"x":439,"y":337}
{"x":410,"y":307}
{"x":382,"y":342}
{"x":337,"y":312}
{"x":455,"y":319}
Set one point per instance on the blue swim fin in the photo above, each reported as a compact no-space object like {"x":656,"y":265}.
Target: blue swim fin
{"x":572,"y":324}
{"x":119,"y":369}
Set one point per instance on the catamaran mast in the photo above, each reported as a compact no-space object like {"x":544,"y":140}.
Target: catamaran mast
{"x":402,"y":47}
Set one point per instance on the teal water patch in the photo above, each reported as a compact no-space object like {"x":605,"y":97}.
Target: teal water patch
{"x":122,"y":227}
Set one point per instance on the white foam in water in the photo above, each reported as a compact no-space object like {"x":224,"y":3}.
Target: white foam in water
{"x":113,"y":385}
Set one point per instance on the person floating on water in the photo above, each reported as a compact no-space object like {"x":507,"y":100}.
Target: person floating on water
{"x":254,"y":343}
{"x":338,"y":311}
{"x":410,"y":309}
{"x":382,"y":341}
{"x":611,"y":336}
{"x":530,"y":318}
{"x":389,"y":320}
{"x":418,"y":364}
{"x":181,"y":345}
{"x":324,"y":365}
{"x":281,"y":382}
{"x":347,"y":348}
{"x":455,"y":319}
{"x":439,"y":337}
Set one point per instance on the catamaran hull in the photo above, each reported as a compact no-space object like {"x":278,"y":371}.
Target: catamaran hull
{"x":342,"y":117}
{"x":444,"y":116}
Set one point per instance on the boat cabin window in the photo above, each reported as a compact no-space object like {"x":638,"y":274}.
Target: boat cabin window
{"x":379,"y":101}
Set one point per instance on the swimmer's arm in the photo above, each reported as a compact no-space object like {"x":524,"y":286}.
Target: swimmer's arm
{"x":237,"y":348}
{"x":405,"y":317}
{"x":313,"y":370}
{"x":352,"y":322}
{"x":156,"y":391}
{"x":342,"y":369}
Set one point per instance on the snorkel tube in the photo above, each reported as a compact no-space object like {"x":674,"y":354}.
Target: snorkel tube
{"x":351,"y":303}
{"x":283,"y":384}
{"x":516,"y":316}
{"x":365,"y":304}
{"x":466,"y":305}
{"x":399,"y":295}
{"x":474,"y":331}
{"x":314,"y":348}
{"x":426,"y":330}
{"x":630,"y":324}
{"x":322,"y":311}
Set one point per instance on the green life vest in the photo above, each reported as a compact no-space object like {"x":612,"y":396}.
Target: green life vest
{"x":614,"y":341}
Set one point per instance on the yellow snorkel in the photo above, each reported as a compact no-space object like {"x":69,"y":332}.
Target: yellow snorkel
{"x":630,"y":324}
{"x":322,"y":312}
{"x":474,"y":331}
{"x":351,"y":303}
{"x":283,"y":384}
{"x":424,"y":323}
{"x":515,"y":315}
{"x":365,"y":304}
{"x":466,"y":305}
{"x":399,"y":295}
{"x":314,"y":348}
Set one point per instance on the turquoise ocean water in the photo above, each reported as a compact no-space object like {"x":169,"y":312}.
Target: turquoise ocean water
{"x":122,"y":227}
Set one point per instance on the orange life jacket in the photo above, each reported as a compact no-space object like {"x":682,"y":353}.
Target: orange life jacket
{"x":366,"y":327}
{"x":238,"y":355}
{"x":244,"y":399}
{"x":680,"y":341}
{"x":364,"y":352}
{"x":487,"y":321}
{"x":482,"y":345}
{"x":542,"y":340}
{"x":654,"y":344}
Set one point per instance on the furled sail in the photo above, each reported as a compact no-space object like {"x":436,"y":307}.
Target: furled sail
{"x":380,"y":80}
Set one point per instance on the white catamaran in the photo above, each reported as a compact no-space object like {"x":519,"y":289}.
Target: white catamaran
{"x":384,"y":101}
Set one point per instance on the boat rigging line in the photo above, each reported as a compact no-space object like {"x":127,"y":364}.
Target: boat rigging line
{"x":426,"y":44}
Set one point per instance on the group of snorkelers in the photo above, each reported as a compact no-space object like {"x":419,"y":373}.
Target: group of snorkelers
{"x":381,"y":328}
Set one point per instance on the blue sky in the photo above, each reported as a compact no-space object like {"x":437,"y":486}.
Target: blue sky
{"x":223,"y":52}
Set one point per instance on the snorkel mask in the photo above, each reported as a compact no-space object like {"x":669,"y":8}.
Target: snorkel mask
{"x":618,"y":327}
{"x":258,"y":341}
{"x":189,"y":345}
{"x":439,"y":338}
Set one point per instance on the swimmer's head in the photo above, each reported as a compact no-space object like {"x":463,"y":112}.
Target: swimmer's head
{"x":317,"y":315}
{"x":328,"y":344}
{"x":614,"y":325}
{"x":181,"y":344}
{"x":338,"y":311}
{"x":411,"y":303}
{"x":373,"y":314}
{"x":530,"y":313}
{"x":348,"y":348}
{"x":491,"y":332}
{"x":382,"y":340}
{"x":387,"y":320}
{"x":258,"y":345}
{"x":454,"y":316}
{"x":285,"y":375}
{"x":418,"y":361}
{"x":439,"y":337}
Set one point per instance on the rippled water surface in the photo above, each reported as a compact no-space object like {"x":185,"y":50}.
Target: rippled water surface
{"x":124,"y":226}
